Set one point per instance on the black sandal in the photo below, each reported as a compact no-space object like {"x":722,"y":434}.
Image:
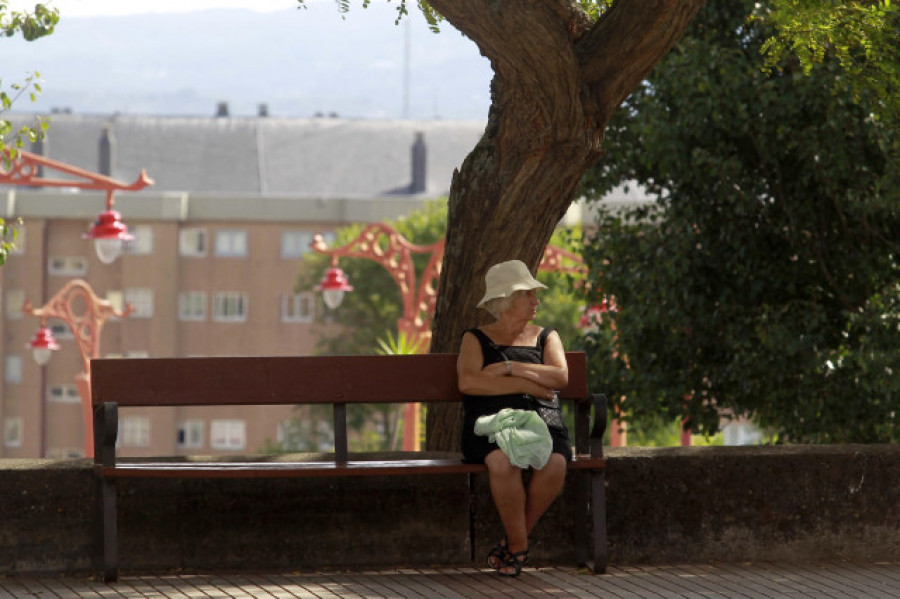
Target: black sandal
{"x":512,"y":560}
{"x":498,"y":553}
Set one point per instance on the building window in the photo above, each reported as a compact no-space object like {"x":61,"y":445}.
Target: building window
{"x":15,"y":298}
{"x":134,"y":431}
{"x":231,"y":243}
{"x":295,"y":244}
{"x":141,"y":299}
{"x":192,"y":305}
{"x":63,"y":394}
{"x":13,"y":372}
{"x":13,"y":431}
{"x":227,"y":434}
{"x":142,"y":244}
{"x":116,"y":299}
{"x":192,"y":242}
{"x":298,"y":307}
{"x":60,"y":330}
{"x":230,"y":306}
{"x":190,"y":434}
{"x":67,"y":266}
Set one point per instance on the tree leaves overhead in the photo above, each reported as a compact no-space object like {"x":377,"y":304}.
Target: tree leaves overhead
{"x":861,"y":35}
{"x":766,"y":280}
{"x":32,"y":26}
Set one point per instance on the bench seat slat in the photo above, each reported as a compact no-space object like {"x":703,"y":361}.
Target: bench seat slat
{"x":306,"y":469}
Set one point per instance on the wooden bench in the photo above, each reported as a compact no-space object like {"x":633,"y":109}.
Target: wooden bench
{"x":335,"y":380}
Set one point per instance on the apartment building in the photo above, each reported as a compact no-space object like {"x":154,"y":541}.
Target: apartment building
{"x":212,"y":269}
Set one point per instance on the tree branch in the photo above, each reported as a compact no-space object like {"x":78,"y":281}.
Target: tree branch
{"x":625,"y":44}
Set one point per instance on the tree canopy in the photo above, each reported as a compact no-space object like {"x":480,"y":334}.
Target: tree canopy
{"x":766,"y":279}
{"x":861,"y":35}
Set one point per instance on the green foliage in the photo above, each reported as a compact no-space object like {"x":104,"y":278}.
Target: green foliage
{"x":562,"y":303}
{"x":431,"y":16}
{"x":401,"y":345}
{"x":8,"y":234}
{"x":592,"y":8}
{"x":860,"y":34}
{"x":766,"y":279}
{"x":32,"y":26}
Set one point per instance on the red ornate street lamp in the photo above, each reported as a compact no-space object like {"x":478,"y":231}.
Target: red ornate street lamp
{"x":76,"y":303}
{"x":84,"y":313}
{"x":108,"y":231}
{"x":43,"y":344}
{"x":382,"y":244}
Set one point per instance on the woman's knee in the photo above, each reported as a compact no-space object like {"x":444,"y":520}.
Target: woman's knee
{"x":555,"y":467}
{"x":556,"y":462}
{"x":498,"y":464}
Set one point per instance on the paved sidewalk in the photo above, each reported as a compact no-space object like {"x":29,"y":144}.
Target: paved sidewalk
{"x":879,"y":580}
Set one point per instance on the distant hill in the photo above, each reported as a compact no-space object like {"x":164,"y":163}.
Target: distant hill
{"x":297,"y":62}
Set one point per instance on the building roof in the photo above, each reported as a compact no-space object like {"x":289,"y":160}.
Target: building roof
{"x":258,"y":156}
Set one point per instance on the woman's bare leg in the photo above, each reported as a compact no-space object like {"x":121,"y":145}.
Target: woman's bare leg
{"x":508,"y":492}
{"x":545,"y":486}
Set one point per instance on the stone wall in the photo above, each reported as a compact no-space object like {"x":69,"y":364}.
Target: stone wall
{"x":797,"y":503}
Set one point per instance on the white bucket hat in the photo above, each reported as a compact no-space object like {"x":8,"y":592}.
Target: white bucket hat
{"x":503,"y":279}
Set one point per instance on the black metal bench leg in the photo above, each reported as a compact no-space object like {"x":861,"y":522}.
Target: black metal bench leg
{"x":582,"y":490}
{"x":109,"y":532}
{"x":472,"y":517}
{"x":598,"y":517}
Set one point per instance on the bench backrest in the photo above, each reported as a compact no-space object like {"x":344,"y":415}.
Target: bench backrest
{"x":289,"y":380}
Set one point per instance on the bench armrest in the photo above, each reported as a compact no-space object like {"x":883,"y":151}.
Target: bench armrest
{"x":600,"y":419}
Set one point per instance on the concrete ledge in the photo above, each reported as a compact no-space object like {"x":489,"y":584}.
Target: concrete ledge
{"x":797,"y":503}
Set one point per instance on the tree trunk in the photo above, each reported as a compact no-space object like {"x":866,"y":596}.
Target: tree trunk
{"x":557,"y":79}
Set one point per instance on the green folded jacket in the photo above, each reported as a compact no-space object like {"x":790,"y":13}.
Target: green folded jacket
{"x":521,"y":435}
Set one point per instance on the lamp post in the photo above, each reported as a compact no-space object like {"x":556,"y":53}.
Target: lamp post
{"x":23,"y":168}
{"x":382,"y":244}
{"x":108,"y":231}
{"x":84,"y":313}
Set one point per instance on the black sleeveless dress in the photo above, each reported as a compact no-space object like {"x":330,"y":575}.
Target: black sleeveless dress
{"x":476,"y":447}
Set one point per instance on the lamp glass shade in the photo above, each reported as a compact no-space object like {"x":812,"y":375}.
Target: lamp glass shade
{"x":108,"y":249}
{"x":333,"y":297}
{"x":42,"y":355}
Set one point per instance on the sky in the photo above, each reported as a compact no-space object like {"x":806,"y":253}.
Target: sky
{"x":89,"y":8}
{"x":306,"y":63}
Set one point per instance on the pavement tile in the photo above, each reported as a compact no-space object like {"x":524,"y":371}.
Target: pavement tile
{"x":832,"y":580}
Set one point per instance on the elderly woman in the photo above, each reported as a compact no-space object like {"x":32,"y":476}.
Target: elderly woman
{"x":511,"y":363}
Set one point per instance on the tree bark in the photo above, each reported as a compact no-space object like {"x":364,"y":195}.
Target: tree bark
{"x":558,"y":77}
